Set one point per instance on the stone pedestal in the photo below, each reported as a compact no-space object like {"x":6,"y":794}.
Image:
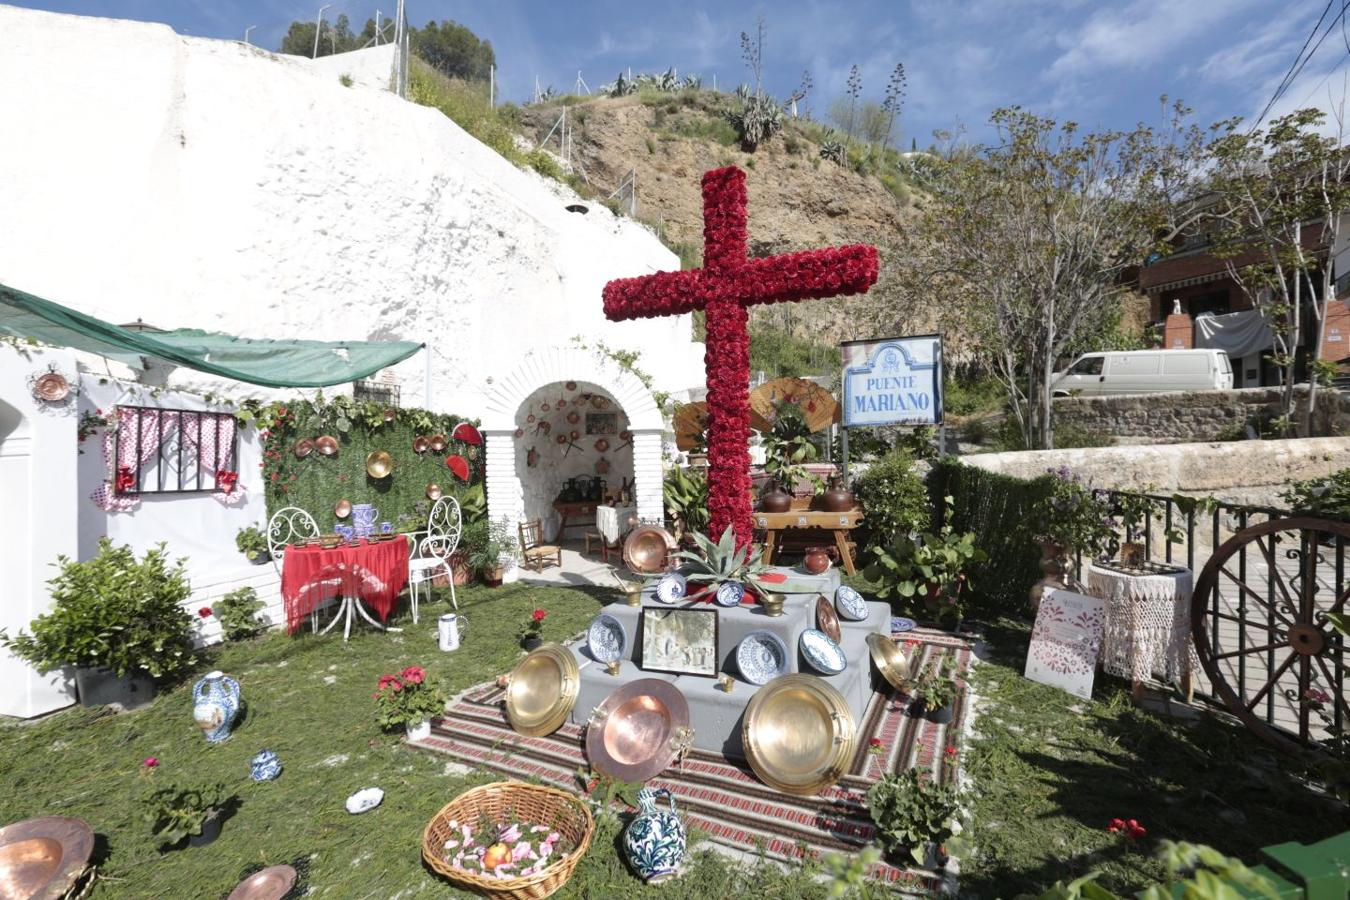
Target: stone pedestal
{"x":714,"y":714}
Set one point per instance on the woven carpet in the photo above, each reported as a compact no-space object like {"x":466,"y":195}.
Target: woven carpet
{"x":723,"y":797}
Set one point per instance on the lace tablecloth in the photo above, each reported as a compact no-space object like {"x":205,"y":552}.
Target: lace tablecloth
{"x":612,"y":521}
{"x":1148,"y":621}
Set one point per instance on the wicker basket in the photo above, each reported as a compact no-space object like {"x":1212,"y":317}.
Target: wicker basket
{"x":564,"y":812}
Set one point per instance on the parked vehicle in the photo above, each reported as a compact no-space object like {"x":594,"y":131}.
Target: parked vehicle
{"x":1144,"y":372}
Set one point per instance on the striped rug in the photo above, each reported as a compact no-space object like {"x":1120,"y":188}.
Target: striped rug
{"x":723,"y":797}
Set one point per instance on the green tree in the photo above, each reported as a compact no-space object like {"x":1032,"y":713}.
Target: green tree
{"x":454,"y":50}
{"x":334,"y":37}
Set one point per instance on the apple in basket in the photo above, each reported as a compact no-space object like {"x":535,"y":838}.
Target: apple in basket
{"x":496,"y":855}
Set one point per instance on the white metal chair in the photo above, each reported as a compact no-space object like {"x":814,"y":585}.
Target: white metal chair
{"x":431,"y":553}
{"x":288,"y":526}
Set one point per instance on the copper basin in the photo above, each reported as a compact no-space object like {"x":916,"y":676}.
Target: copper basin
{"x":40,"y":859}
{"x":645,"y":549}
{"x":633,"y":735}
{"x":269,"y":884}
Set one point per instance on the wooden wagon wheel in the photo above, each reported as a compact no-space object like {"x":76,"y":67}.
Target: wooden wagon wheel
{"x":1266,"y":643}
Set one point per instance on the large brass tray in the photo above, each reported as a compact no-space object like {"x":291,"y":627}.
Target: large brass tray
{"x":890,"y":660}
{"x":798,"y":734}
{"x":42,"y":859}
{"x":638,"y":730}
{"x":645,"y":549}
{"x":542,"y":690}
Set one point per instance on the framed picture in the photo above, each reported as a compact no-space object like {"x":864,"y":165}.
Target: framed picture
{"x":602,"y":423}
{"x":681,"y":641}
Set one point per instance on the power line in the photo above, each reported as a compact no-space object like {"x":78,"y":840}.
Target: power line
{"x":1299,"y":62}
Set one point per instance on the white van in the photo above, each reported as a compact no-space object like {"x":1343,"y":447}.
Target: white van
{"x":1144,"y":372}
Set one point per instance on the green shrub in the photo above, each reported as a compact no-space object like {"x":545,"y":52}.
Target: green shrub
{"x":543,"y":162}
{"x":1009,"y":437}
{"x":966,"y":396}
{"x":1233,"y":431}
{"x":895,"y":498}
{"x":909,"y":811}
{"x":116,"y":612}
{"x":757,"y":120}
{"x":238,"y":614}
{"x":1328,"y":496}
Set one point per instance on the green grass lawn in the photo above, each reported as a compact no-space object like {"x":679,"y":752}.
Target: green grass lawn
{"x":1048,"y":774}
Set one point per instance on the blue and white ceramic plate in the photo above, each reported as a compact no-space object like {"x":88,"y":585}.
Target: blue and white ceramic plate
{"x":730,"y":593}
{"x":761,"y":656}
{"x":822,"y":653}
{"x":671,"y":587}
{"x":606,"y":638}
{"x":850,"y":604}
{"x":899,"y":624}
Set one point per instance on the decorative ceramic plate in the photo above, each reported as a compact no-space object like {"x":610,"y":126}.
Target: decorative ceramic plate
{"x":730,"y":593}
{"x":671,"y":587}
{"x":850,"y":604}
{"x":606,"y":638}
{"x":821,"y":652}
{"x":826,"y":620}
{"x":899,"y":624}
{"x":364,"y":800}
{"x":761,"y":657}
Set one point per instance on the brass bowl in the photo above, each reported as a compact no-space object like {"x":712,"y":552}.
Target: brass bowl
{"x":437,"y":442}
{"x":638,"y":730}
{"x":303,"y":447}
{"x":826,"y":620}
{"x":271,"y":883}
{"x":645,"y":549}
{"x":772,"y":603}
{"x":327,"y":445}
{"x":342,"y":509}
{"x":433,"y":491}
{"x":420,"y":445}
{"x":890,"y":660}
{"x":42,"y":859}
{"x":542,"y":690}
{"x":798,"y":734}
{"x":379,"y":464}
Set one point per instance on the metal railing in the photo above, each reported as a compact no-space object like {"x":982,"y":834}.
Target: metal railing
{"x":175,"y":464}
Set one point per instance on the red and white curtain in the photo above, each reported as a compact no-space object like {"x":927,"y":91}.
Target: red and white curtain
{"x":137,"y":437}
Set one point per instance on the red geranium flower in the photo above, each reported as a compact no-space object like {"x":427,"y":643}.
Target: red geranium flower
{"x":539,"y":615}
{"x":415,"y":674}
{"x":205,"y":612}
{"x":951,"y":751}
{"x":387,"y":681}
{"x":874,"y":742}
{"x":1130,"y":829}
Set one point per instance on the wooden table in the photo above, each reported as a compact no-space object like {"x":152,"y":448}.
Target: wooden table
{"x":572,"y":509}
{"x":839,"y":523}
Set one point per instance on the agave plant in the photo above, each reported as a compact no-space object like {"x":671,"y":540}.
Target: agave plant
{"x":759,"y":118}
{"x":716,"y":562}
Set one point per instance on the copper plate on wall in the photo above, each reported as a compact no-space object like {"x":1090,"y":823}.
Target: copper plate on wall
{"x":433,"y":491}
{"x":437,"y":442}
{"x":542,"y":690}
{"x":303,"y":447}
{"x":420,"y":445}
{"x":271,"y":883}
{"x":342,"y":509}
{"x":51,"y":387}
{"x":327,"y":445}
{"x":379,"y":464}
{"x":826,"y":620}
{"x":645,"y":549}
{"x":890,"y":660}
{"x":638,"y":730}
{"x":798,"y":734}
{"x":42,"y":859}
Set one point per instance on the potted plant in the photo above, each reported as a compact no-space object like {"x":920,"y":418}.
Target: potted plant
{"x":238,"y":612}
{"x":493,"y":548}
{"x":930,"y":568}
{"x":787,"y":449}
{"x":118,"y":620}
{"x":473,"y":512}
{"x":1135,"y":511}
{"x":914,"y":816}
{"x":253,"y":544}
{"x":1070,"y":517}
{"x":936,"y":690}
{"x":409,"y":699}
{"x":194,"y":814}
{"x":530,"y":632}
{"x":686,"y":498}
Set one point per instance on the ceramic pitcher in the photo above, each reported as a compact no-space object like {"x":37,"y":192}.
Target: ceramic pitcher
{"x":215,"y":705}
{"x":363,"y":519}
{"x":654,"y":842}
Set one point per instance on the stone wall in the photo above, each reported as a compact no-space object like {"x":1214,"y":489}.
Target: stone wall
{"x":1193,"y":415}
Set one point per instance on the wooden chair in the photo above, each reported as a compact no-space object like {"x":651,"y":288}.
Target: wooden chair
{"x":595,"y":537}
{"x":533,"y":551}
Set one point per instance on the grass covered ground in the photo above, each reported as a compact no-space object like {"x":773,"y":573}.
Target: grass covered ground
{"x":1048,"y":773}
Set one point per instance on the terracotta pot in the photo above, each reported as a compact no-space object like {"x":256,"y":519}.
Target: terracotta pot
{"x":459,"y":565}
{"x":1057,"y":569}
{"x":493,"y":577}
{"x":775,"y":501}
{"x":837,"y":499}
{"x":817,"y":560}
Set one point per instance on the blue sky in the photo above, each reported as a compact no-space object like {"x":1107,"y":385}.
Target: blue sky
{"x":1102,"y":64}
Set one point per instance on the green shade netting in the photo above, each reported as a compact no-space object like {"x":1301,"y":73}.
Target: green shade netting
{"x":271,"y":363}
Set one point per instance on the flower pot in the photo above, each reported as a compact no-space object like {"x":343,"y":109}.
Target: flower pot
{"x":531,"y":643}
{"x":210,"y":831}
{"x":934,"y":856}
{"x":98,"y":686}
{"x":459,"y":566}
{"x":775,"y":501}
{"x":1056,"y":569}
{"x":261,"y":557}
{"x":493,"y":577}
{"x":418,"y":731}
{"x":940,"y":716}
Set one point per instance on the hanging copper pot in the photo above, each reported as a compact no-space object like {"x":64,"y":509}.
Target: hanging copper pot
{"x":520,"y":432}
{"x":602,"y":466}
{"x":575,"y":434}
{"x":379,"y":464}
{"x":342,"y":509}
{"x":601,"y":445}
{"x":303,"y":447}
{"x":390,"y":414}
{"x":433,"y":491}
{"x":571,"y":385}
{"x":573,"y":417}
{"x":420,"y":445}
{"x":327,"y":445}
{"x":51,"y":388}
{"x":438,"y":442}
{"x":531,"y":458}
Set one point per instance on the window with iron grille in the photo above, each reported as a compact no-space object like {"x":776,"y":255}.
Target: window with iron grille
{"x":174,"y":451}
{"x":378,"y":391}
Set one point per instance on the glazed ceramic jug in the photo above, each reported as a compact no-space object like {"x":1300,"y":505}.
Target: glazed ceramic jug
{"x":654,"y":842}
{"x":363,"y":519}
{"x":817,"y":560}
{"x":215,"y":705}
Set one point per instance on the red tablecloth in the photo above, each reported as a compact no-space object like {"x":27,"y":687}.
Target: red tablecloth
{"x":375,"y":573}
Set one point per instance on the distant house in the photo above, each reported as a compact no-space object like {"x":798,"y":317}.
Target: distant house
{"x":1195,"y":303}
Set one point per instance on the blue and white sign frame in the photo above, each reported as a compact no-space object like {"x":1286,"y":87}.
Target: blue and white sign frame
{"x":893,"y":381}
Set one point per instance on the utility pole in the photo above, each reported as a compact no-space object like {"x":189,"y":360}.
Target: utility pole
{"x":246,"y":31}
{"x":318,"y":27}
{"x":492,"y":87}
{"x":377,"y":28}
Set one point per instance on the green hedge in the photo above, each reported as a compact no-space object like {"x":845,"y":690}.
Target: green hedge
{"x":1000,"y":509}
{"x":316,"y":483}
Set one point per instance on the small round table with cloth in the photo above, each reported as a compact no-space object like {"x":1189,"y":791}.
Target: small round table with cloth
{"x":370,"y":572}
{"x":1148,"y":623}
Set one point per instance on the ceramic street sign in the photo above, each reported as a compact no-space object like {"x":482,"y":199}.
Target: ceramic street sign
{"x":893,"y":381}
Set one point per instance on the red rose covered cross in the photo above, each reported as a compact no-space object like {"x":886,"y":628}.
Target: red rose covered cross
{"x":724,"y":288}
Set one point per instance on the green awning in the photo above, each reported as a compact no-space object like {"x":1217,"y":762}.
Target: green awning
{"x":266,"y":362}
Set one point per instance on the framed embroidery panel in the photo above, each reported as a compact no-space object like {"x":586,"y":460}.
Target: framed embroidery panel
{"x":1066,"y":640}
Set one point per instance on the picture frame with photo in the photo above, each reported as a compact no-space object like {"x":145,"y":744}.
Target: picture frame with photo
{"x":602,"y":423}
{"x":680,"y":641}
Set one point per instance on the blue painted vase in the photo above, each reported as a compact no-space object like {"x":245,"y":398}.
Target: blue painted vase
{"x":363,"y":519}
{"x":215,"y":705}
{"x":655,"y":840}
{"x":265,"y":766}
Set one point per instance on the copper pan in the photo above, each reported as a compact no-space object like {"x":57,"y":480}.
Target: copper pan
{"x":639,"y":730}
{"x":437,"y":443}
{"x":890,"y":661}
{"x":271,"y":883}
{"x":433,"y":491}
{"x":51,"y":387}
{"x":420,"y":445}
{"x":645,"y":549}
{"x":303,"y":447}
{"x":42,"y":859}
{"x":542,"y":690}
{"x":826,"y":620}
